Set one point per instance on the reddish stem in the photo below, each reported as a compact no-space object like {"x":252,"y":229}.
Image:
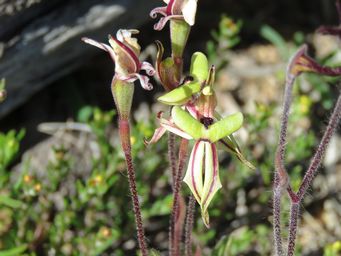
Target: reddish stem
{"x":281,"y":181}
{"x":172,"y":156}
{"x":189,"y":225}
{"x":175,"y":237}
{"x":124,"y":131}
{"x":294,"y":212}
{"x":315,"y":162}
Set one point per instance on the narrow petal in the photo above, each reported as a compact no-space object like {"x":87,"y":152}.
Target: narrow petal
{"x":148,"y":68}
{"x":102,"y":46}
{"x":159,"y":10}
{"x":144,"y":80}
{"x":189,"y":9}
{"x":211,"y":179}
{"x":162,"y":22}
{"x":193,"y":177}
{"x":158,"y":133}
{"x":170,"y":126}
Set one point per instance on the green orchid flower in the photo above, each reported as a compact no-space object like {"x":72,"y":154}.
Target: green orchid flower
{"x":202,"y":175}
{"x":197,"y":120}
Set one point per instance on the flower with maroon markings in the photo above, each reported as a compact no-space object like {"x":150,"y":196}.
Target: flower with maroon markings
{"x":124,"y":51}
{"x":193,"y":117}
{"x":202,"y":175}
{"x":301,"y":62}
{"x":175,"y":9}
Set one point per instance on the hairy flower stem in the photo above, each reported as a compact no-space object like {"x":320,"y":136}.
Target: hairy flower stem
{"x":277,"y":194}
{"x":281,"y":177}
{"x":315,"y":162}
{"x":297,"y":198}
{"x":175,"y":237}
{"x":124,"y":131}
{"x":281,"y":182}
{"x":172,"y":156}
{"x":294,"y":213}
{"x":189,"y":225}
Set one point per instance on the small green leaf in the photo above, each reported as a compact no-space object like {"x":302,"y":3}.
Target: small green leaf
{"x":199,"y":66}
{"x":10,"y":202}
{"x":154,"y":252}
{"x":224,"y":127}
{"x":187,"y":123}
{"x":180,"y":95}
{"x":14,"y":251}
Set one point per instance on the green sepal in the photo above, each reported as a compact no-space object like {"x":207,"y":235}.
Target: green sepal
{"x":214,"y":132}
{"x":180,"y":95}
{"x":224,"y":127}
{"x":123,"y":96}
{"x":199,"y":66}
{"x":187,"y":123}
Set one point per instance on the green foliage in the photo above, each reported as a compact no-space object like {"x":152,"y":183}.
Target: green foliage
{"x":224,"y":38}
{"x":9,"y":147}
{"x":14,"y":251}
{"x":277,"y":40}
{"x":78,"y":213}
{"x":244,"y":240}
{"x":333,"y":249}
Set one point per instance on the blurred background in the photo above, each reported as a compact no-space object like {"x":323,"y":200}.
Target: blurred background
{"x":63,"y":188}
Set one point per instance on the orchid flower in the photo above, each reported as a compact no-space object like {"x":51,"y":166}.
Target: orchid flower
{"x":202,"y":174}
{"x":175,"y":9}
{"x":124,"y":51}
{"x":200,"y":123}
